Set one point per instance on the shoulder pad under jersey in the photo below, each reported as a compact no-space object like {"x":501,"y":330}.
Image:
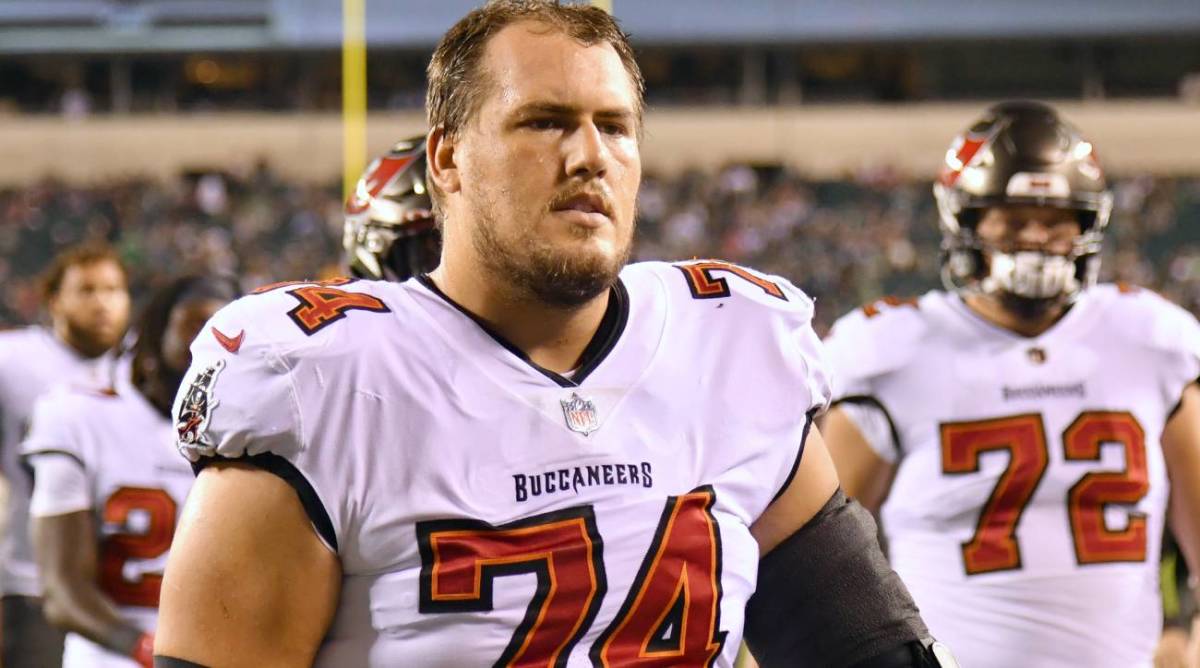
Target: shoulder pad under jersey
{"x":873,"y":340}
{"x":752,"y":302}
{"x":237,"y":397}
{"x":1145,"y":318}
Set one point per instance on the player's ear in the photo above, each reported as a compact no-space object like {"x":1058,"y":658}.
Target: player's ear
{"x":440,"y":156}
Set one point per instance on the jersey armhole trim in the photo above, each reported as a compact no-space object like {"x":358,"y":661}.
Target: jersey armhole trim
{"x":27,"y":456}
{"x":876,"y":403}
{"x":1179,"y":404}
{"x":787,"y":482}
{"x":273,"y":463}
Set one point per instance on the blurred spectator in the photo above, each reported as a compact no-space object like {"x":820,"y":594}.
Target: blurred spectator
{"x":844,"y":242}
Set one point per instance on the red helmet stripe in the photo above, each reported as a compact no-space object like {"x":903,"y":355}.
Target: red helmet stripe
{"x":377,"y":179}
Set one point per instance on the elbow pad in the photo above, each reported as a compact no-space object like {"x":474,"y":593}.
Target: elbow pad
{"x":826,"y":596}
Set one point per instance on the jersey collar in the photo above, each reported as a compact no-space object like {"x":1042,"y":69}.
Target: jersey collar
{"x":612,"y":325}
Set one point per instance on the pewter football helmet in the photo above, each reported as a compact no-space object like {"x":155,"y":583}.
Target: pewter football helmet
{"x":1020,"y":153}
{"x":389,"y":231}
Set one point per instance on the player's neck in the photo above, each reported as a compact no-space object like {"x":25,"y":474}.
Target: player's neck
{"x":552,"y":337}
{"x":994,"y":311}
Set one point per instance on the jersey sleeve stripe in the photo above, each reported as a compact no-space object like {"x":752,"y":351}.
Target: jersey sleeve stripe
{"x":273,"y":463}
{"x":876,"y":403}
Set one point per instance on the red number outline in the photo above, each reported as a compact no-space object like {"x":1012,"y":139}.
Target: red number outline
{"x":623,"y":643}
{"x":119,"y":548}
{"x":321,"y":306}
{"x":993,"y":546}
{"x":322,"y":303}
{"x":563,"y":535}
{"x":703,"y":285}
{"x":454,"y":552}
{"x":1094,"y":542}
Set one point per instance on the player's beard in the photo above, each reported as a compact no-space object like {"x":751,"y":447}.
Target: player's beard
{"x":85,"y":338}
{"x":554,"y":277}
{"x":1030,"y":309}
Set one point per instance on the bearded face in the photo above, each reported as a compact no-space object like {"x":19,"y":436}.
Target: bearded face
{"x":548,"y":170}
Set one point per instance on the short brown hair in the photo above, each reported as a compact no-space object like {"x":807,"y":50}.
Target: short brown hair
{"x":457,"y":83}
{"x":76,"y":256}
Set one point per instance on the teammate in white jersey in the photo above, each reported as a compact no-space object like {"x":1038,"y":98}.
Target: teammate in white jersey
{"x":528,"y":457}
{"x":88,"y":304}
{"x":108,"y":485}
{"x":1019,"y":428}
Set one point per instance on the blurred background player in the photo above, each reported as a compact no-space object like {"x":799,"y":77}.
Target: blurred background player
{"x":87,"y":300}
{"x":390,"y":231}
{"x":109,"y":485}
{"x":1019,"y":428}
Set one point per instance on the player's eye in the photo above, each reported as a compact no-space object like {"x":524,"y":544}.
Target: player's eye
{"x":619,"y":129}
{"x":544,"y":124}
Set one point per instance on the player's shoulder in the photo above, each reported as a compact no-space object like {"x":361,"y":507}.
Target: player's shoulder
{"x":240,"y":394}
{"x":78,"y":397}
{"x":723,"y":284}
{"x":11,"y":335}
{"x":16,"y":343}
{"x":64,"y":414}
{"x":297,"y":317}
{"x":892,"y":319}
{"x":1145,"y":317}
{"x":882,"y":335}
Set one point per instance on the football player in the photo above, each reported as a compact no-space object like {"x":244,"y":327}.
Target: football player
{"x":108,"y":484}
{"x":390,"y":232}
{"x":87,"y":300}
{"x":1024,"y":429}
{"x":533,"y":455}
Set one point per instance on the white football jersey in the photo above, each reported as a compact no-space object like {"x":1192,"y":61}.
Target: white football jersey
{"x":487,"y":511}
{"x":135,"y":487}
{"x":1028,"y":505}
{"x":32,"y":360}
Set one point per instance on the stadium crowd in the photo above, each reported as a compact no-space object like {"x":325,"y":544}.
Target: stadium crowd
{"x":846,"y":242}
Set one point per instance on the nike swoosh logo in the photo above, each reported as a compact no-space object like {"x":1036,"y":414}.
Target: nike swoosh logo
{"x":230,"y":343}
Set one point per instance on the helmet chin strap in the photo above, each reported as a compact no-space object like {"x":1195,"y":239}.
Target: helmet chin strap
{"x":1030,"y":275}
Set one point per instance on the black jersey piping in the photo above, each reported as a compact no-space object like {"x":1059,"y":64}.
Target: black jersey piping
{"x":163,"y":661}
{"x":1179,"y":404}
{"x":787,"y":482}
{"x":876,"y":403}
{"x":26,"y":461}
{"x":612,"y":325}
{"x":273,"y":463}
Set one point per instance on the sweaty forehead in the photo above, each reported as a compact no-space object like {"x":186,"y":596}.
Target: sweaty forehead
{"x":534,"y":62}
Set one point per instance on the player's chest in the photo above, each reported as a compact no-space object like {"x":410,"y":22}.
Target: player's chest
{"x":1058,"y":443}
{"x":138,"y":481}
{"x":602,"y":517}
{"x":1052,"y":392}
{"x":599,"y":580}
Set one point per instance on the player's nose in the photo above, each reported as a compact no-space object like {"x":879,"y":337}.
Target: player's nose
{"x":1033,"y":231}
{"x":586,"y":154}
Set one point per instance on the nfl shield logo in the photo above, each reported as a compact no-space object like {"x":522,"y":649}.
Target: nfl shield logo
{"x":580,"y":414}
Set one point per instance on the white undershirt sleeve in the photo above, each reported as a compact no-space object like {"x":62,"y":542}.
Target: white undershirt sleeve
{"x":873,"y":423}
{"x":60,"y":485}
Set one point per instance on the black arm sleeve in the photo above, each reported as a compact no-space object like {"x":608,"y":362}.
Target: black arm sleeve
{"x":827,"y":597}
